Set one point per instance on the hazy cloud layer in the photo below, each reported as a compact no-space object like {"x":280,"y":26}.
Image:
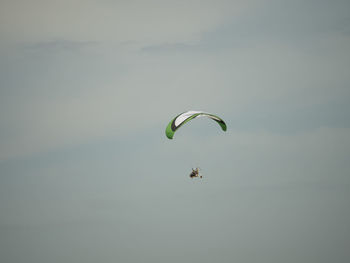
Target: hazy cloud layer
{"x":116,"y":21}
{"x":87,"y":88}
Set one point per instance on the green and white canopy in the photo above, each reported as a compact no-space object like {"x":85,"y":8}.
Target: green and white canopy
{"x":184,"y":117}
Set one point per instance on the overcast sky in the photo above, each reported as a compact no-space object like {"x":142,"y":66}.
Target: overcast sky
{"x":87,"y":89}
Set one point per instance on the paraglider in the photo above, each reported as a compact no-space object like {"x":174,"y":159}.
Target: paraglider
{"x":185,"y":117}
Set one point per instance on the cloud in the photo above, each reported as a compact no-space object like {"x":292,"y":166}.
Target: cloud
{"x":172,"y":47}
{"x":59,"y":45}
{"x":113,"y":21}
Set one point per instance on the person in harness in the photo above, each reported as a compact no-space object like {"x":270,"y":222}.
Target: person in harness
{"x":195,"y":173}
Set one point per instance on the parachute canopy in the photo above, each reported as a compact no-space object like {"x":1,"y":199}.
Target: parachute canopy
{"x":184,"y":117}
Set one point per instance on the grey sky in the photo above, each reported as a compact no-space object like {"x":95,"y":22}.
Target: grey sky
{"x":88,"y":87}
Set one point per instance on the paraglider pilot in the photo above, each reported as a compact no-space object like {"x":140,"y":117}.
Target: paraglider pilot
{"x":195,"y":173}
